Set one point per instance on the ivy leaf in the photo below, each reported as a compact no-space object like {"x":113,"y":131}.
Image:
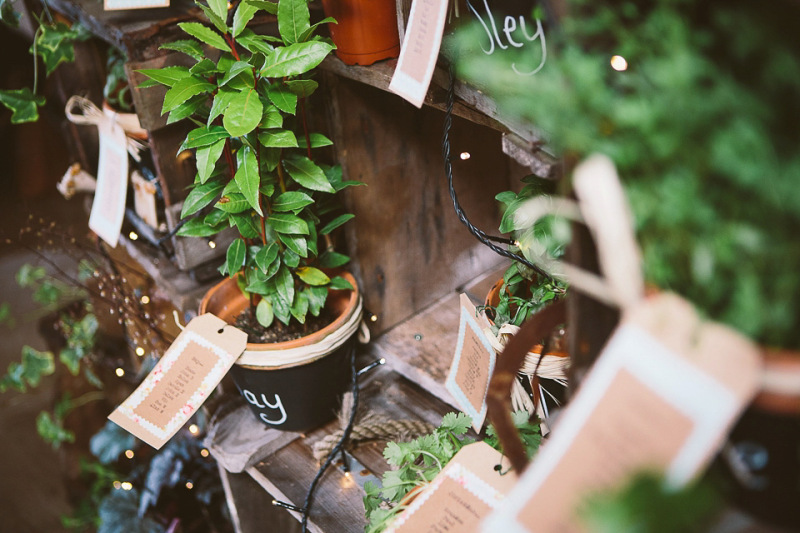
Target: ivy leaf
{"x":335,"y":223}
{"x":264,"y":313}
{"x":248,"y":178}
{"x":36,"y":364}
{"x":312,"y":276}
{"x":308,"y":174}
{"x":54,"y":45}
{"x":291,"y":201}
{"x":203,"y":136}
{"x":206,"y":35}
{"x":316,"y":139}
{"x":52,"y":430}
{"x":200,"y":196}
{"x":207,"y":158}
{"x":185,"y":46}
{"x":234,"y":258}
{"x":168,"y":76}
{"x":244,"y":14}
{"x":182,"y":90}
{"x":295,"y":59}
{"x":293,"y":19}
{"x":288,"y":223}
{"x":283,"y":98}
{"x":284,"y":284}
{"x":278,"y":138}
{"x":243,"y":113}
{"x":219,"y":7}
{"x":71,"y":358}
{"x":22,"y":103}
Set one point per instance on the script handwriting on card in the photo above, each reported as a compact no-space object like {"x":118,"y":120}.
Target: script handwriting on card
{"x":505,"y":35}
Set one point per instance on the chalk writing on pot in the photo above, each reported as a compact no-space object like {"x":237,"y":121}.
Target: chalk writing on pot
{"x":265,"y":404}
{"x":506,"y":35}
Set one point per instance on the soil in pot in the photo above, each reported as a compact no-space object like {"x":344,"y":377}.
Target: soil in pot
{"x":278,"y":331}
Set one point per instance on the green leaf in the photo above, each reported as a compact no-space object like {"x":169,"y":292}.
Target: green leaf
{"x":110,"y":443}
{"x":248,"y":178}
{"x":7,"y":14}
{"x":288,"y":223}
{"x":182,"y":90}
{"x":234,"y":70}
{"x":308,"y":174}
{"x":219,"y":7}
{"x":243,"y":113}
{"x":456,"y":423}
{"x":71,"y":358}
{"x":269,"y":7}
{"x":187,"y":108}
{"x":207,"y":158}
{"x":291,"y":201}
{"x":246,"y":224}
{"x":264,"y":313}
{"x":293,"y":19}
{"x":335,"y":223}
{"x":316,"y":297}
{"x":244,"y":14}
{"x":216,"y":20}
{"x":295,"y":59}
{"x":284,"y":284}
{"x":290,"y":258}
{"x":300,"y":308}
{"x":206,"y":35}
{"x":295,"y":243}
{"x":333,"y":260}
{"x":233,"y":203}
{"x":234,"y":258}
{"x":54,"y":45}
{"x":166,"y":76}
{"x":185,"y":46}
{"x":255,"y":43}
{"x":35,"y":365}
{"x":52,"y":430}
{"x":22,"y":103}
{"x":272,"y":118}
{"x":306,"y":34}
{"x":281,"y":308}
{"x":283,"y":98}
{"x":200,"y":196}
{"x":203,"y":136}
{"x":302,"y":88}
{"x":312,"y":276}
{"x":278,"y":138}
{"x":317,"y":140}
{"x":221,"y":102}
{"x":266,"y":256}
{"x":197,"y":227}
{"x":339,"y":283}
{"x":205,"y":67}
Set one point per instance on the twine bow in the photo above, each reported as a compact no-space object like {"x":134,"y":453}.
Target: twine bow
{"x":82,"y":111}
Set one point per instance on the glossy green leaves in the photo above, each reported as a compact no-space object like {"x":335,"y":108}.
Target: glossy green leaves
{"x":243,"y":113}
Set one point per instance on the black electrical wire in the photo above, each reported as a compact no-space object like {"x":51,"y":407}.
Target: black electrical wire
{"x":448,"y":170}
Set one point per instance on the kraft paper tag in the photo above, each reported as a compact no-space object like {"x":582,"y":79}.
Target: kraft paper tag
{"x":473,"y":365}
{"x":661,"y":396}
{"x":144,"y":199}
{"x":113,"y":5}
{"x":464,"y":492}
{"x":181,"y":381}
{"x":420,"y":50}
{"x":108,"y":207}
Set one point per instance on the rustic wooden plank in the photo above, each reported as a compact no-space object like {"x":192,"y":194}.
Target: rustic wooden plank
{"x":149,"y":101}
{"x":409,"y":245}
{"x":251,"y":507}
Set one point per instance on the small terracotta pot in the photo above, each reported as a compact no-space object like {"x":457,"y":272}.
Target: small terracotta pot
{"x":366,"y":30}
{"x":297,"y":392}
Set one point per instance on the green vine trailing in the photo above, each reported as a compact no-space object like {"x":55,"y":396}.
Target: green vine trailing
{"x":700,"y":128}
{"x":53,"y":43}
{"x":255,"y":153}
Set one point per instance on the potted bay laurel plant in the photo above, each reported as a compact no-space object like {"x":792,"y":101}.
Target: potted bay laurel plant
{"x":257,"y":170}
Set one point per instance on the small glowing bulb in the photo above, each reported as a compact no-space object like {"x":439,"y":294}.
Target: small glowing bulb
{"x":120,"y":372}
{"x":373,"y":318}
{"x":619,"y":63}
{"x":212,"y":244}
{"x":204,"y":452}
{"x":129,"y":454}
{"x":133,"y":235}
{"x":139,"y":351}
{"x":116,"y":485}
{"x":126,"y":485}
{"x":145,"y":299}
{"x":189,"y":485}
{"x":193,"y":429}
{"x":465,"y":156}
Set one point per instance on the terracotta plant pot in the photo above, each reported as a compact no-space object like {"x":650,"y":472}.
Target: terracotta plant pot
{"x":366,"y":30}
{"x":294,"y":385}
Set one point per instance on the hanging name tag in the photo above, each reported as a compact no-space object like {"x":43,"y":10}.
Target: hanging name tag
{"x":661,"y":396}
{"x":108,"y":207}
{"x":464,"y":492}
{"x":181,"y":381}
{"x":420,"y":50}
{"x":472,"y":365}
